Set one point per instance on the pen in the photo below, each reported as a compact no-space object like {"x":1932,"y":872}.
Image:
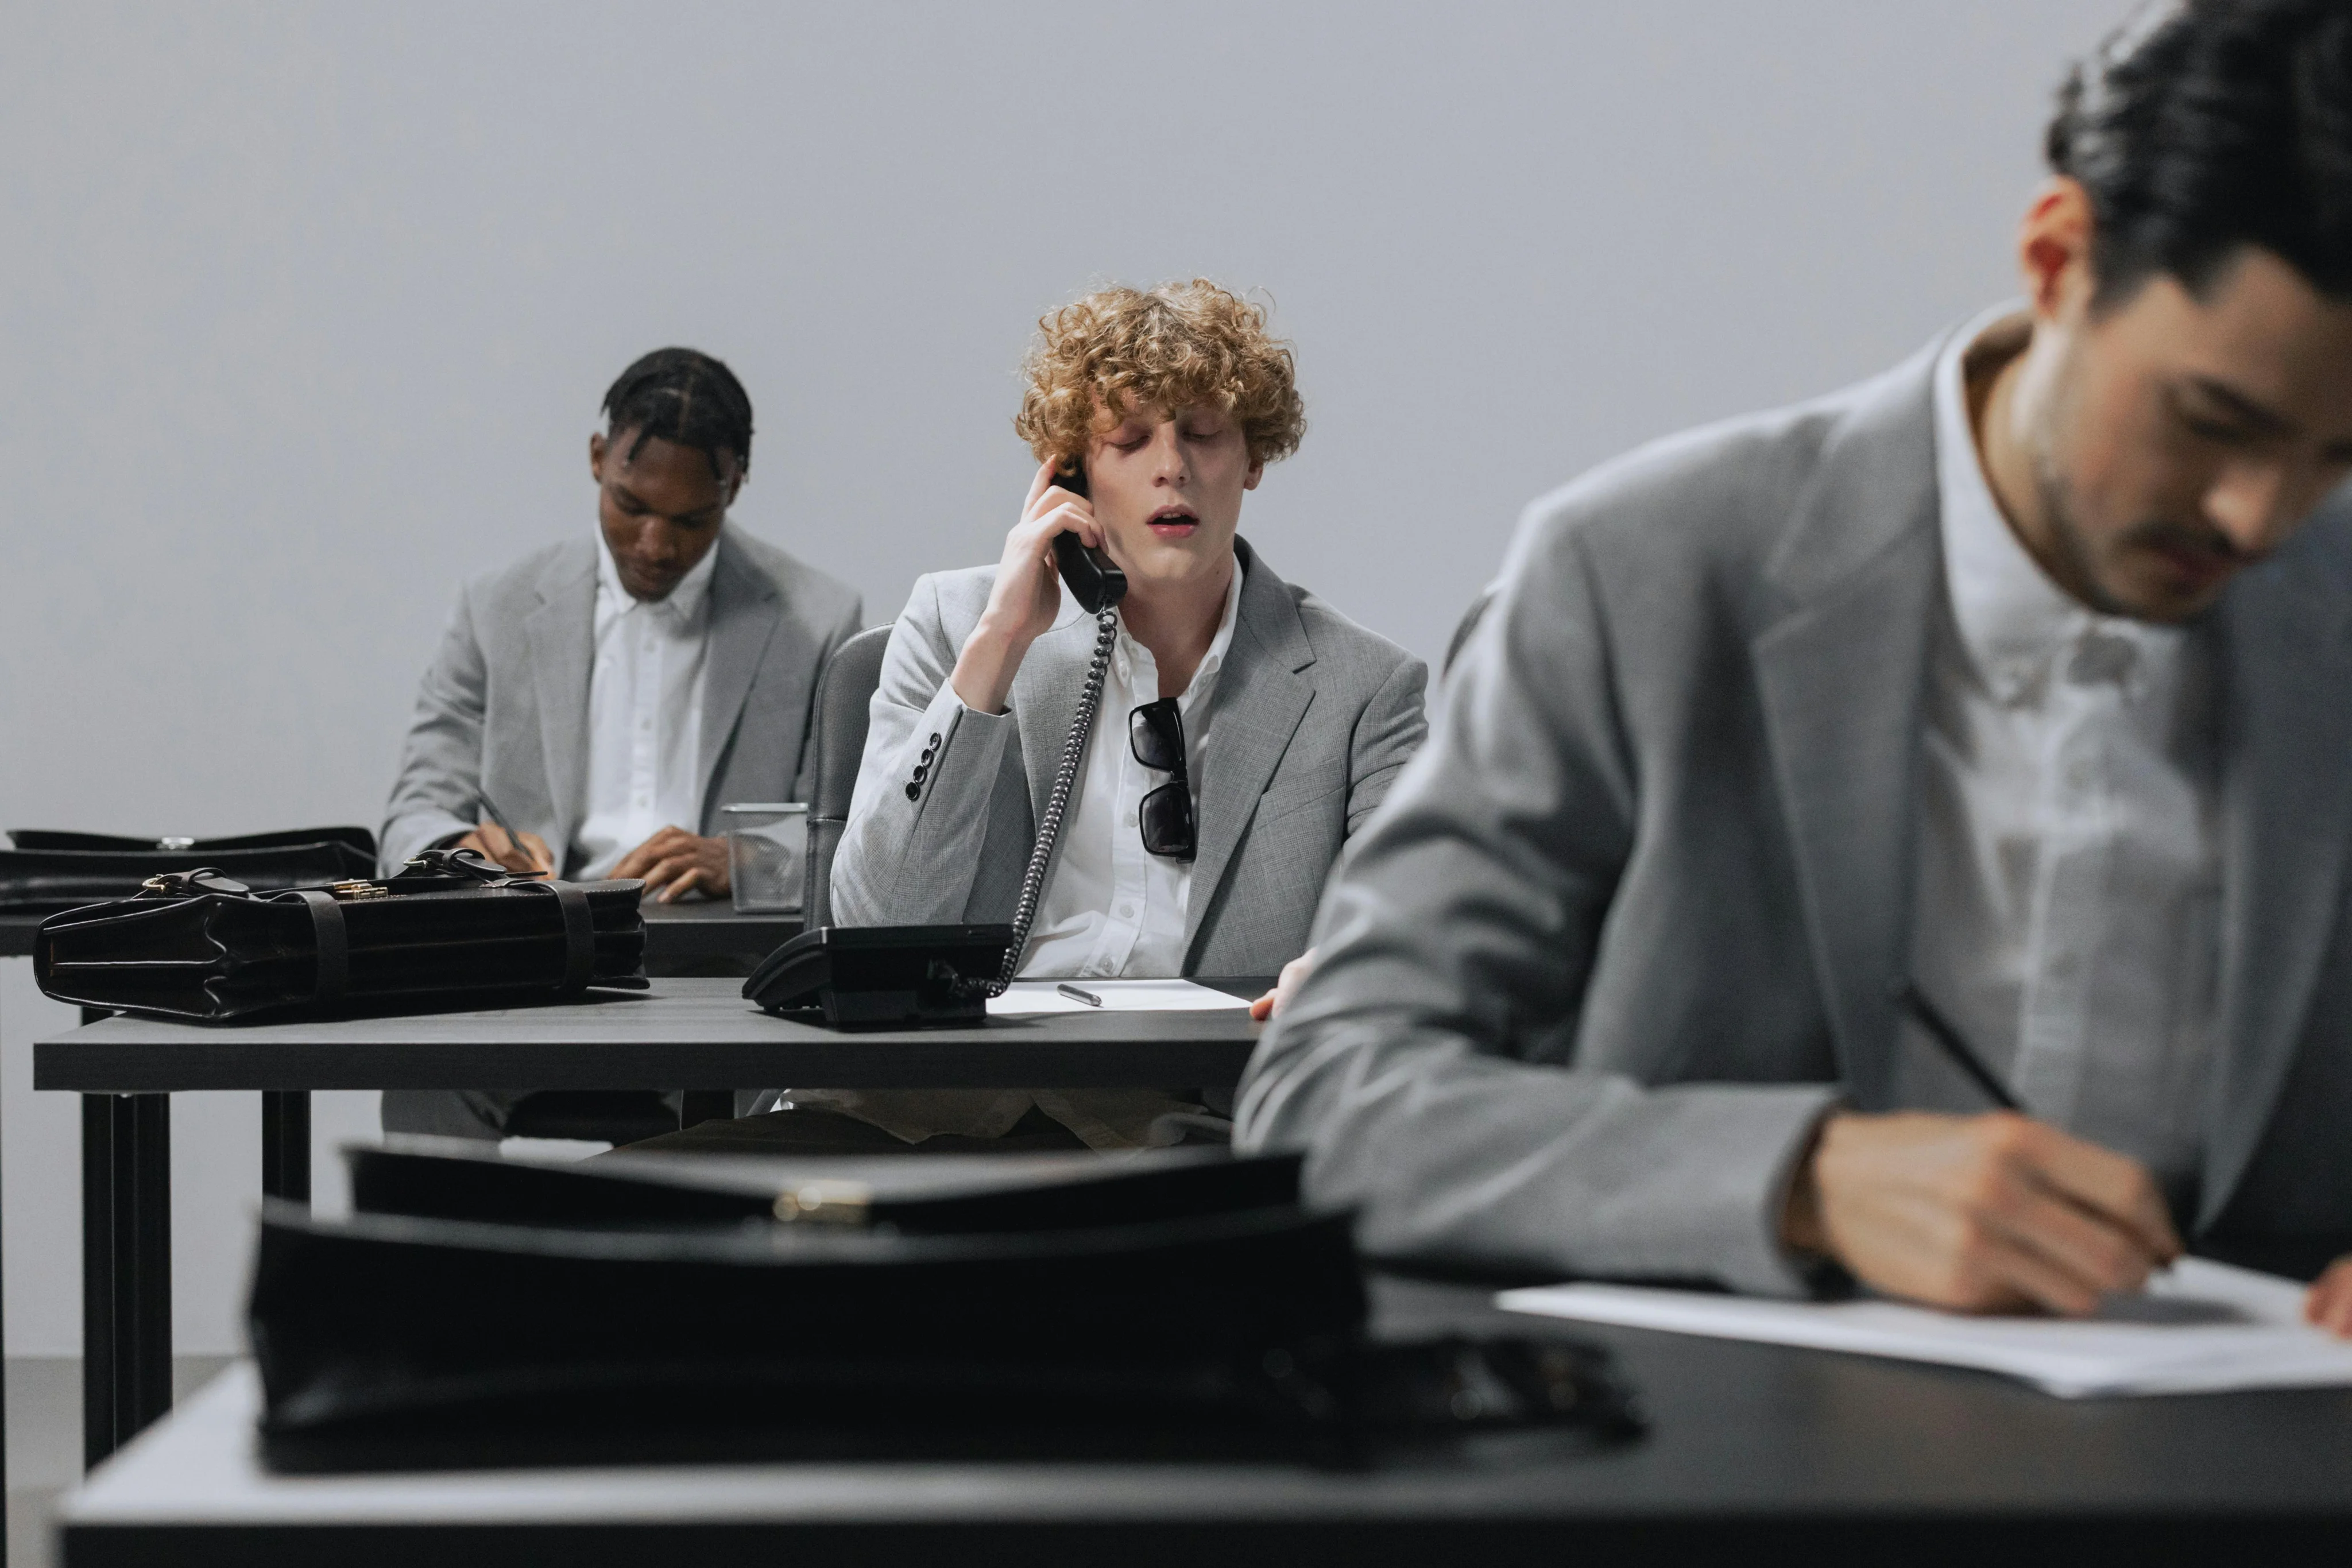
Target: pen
{"x":1077,"y":995}
{"x":499,"y":821}
{"x":1939,"y":1028}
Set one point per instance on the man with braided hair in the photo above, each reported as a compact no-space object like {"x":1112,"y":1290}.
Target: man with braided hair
{"x":595,"y":704}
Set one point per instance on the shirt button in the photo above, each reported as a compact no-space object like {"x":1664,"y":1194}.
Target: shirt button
{"x":1131,"y":819}
{"x":1127,"y":911}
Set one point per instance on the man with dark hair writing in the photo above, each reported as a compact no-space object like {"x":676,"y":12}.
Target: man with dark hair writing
{"x":1996,"y":708}
{"x":594,"y":705}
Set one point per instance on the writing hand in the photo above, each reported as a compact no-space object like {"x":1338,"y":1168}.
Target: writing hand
{"x":1285,"y":986}
{"x":1984,"y":1213}
{"x":524,"y":853}
{"x":674,"y":862}
{"x":2328,"y":1303}
{"x":1028,"y":593}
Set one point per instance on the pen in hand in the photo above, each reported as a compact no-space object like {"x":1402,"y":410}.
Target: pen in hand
{"x":497,"y":821}
{"x":1913,"y":1001}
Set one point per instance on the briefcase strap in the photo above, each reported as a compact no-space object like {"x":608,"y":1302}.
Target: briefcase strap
{"x":335,"y":941}
{"x":579,"y":935}
{"x":334,"y":944}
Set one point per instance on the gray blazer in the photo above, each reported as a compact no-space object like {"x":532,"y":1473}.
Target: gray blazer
{"x":1629,"y":924}
{"x":1315,"y":716}
{"x":505,"y":705}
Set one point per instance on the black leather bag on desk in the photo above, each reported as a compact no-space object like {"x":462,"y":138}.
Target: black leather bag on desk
{"x":1167,"y":1304}
{"x":46,"y":871}
{"x":201,"y":948}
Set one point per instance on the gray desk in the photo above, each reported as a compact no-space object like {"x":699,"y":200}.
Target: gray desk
{"x":696,"y":1033}
{"x":1757,"y":1453}
{"x":126,"y":1167}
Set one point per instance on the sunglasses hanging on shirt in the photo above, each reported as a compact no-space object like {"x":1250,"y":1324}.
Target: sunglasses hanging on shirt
{"x":1156,"y":733}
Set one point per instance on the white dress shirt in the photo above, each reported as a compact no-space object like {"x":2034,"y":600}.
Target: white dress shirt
{"x":645,"y":715}
{"x":1111,"y":907}
{"x":2069,"y":871}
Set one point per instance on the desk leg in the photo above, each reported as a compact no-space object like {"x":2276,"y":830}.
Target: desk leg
{"x":286,"y":1144}
{"x":126,"y":1267}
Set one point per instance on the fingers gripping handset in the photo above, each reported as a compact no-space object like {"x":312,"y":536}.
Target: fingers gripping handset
{"x":1088,"y":574}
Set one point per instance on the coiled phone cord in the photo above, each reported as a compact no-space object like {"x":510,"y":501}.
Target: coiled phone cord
{"x":1065,"y":777}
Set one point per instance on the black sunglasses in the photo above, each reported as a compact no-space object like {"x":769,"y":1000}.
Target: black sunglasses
{"x":1156,"y":731}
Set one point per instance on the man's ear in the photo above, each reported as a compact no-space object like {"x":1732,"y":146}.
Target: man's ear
{"x":597,"y":447}
{"x":1256,"y":473}
{"x":2053,"y":251}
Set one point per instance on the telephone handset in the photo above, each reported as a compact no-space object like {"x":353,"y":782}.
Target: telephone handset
{"x":1096,"y":585}
{"x":1091,"y":578}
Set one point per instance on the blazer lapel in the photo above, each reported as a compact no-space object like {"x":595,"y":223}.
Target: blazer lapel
{"x":744,"y":612}
{"x":2287,"y":796}
{"x":1046,"y":699}
{"x":563,"y":631}
{"x":1259,"y":700}
{"x":1842,"y":674}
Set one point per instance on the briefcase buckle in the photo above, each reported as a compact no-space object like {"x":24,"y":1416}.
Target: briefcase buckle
{"x":825,"y":1202}
{"x":357,"y":889}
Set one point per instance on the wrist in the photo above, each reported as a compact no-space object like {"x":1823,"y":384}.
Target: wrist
{"x":984,"y":669}
{"x":1801,"y":1227}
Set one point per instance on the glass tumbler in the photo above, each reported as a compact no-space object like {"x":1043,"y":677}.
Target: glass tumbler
{"x":767,"y":845}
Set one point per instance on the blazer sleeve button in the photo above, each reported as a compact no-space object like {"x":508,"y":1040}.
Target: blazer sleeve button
{"x":914,"y":791}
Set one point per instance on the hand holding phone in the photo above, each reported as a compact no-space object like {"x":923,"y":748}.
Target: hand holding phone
{"x":1092,"y":580}
{"x":1057,"y":526}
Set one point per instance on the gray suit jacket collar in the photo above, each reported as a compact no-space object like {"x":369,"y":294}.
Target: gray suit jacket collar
{"x":1260,"y":698}
{"x":562,"y":632}
{"x":744,"y":612}
{"x":1842,"y":665}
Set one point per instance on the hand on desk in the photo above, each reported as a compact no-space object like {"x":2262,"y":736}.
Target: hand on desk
{"x":674,"y":862}
{"x":1285,"y":986}
{"x":1985,"y":1213}
{"x":2329,"y":1303}
{"x":525,"y":852}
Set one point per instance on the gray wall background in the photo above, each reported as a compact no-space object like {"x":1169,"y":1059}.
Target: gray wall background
{"x":304,"y":311}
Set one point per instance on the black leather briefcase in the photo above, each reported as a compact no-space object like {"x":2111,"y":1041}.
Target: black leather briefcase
{"x":452,"y":928}
{"x":1173,"y":1304}
{"x":48,"y":871}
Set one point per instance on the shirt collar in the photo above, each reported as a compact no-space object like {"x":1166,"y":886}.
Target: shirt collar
{"x":683,"y":604}
{"x":1130,"y":651}
{"x":2014,"y":624}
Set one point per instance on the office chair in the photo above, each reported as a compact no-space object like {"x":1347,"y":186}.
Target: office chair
{"x":844,"y":697}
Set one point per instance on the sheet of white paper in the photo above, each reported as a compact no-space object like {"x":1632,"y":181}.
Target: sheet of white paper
{"x":1117,"y":996}
{"x":2200,"y":1327}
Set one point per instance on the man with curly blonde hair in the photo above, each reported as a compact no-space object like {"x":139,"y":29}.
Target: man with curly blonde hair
{"x":1246,"y":729}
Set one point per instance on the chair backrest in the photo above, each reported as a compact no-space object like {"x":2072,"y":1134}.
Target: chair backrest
{"x":844,"y":697}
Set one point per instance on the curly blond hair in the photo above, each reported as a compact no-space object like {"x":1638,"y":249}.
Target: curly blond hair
{"x":1178,"y":347}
